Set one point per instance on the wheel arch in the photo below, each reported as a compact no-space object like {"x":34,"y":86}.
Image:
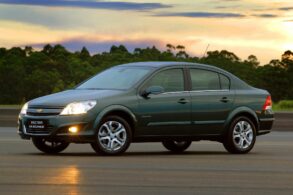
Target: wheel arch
{"x":117,"y":110}
{"x":242,"y":111}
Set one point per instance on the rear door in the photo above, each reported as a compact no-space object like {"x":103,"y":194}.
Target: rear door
{"x":168,"y":113}
{"x":212,"y":100}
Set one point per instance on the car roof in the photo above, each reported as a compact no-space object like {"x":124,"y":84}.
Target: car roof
{"x":162,"y":64}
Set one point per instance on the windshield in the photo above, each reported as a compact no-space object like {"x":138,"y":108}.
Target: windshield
{"x":116,"y":78}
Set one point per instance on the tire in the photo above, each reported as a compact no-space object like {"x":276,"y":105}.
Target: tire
{"x":113,"y":136}
{"x":241,"y":136}
{"x":49,"y":147}
{"x":176,"y":146}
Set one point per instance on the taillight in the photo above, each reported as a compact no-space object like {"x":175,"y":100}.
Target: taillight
{"x":268,"y":103}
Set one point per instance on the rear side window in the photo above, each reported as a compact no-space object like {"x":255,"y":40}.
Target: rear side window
{"x":171,"y":80}
{"x":225,"y":82}
{"x":204,"y":80}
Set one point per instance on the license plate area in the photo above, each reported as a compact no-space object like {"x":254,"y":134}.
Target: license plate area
{"x":37,"y":124}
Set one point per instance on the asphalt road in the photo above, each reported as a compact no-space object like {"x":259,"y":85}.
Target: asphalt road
{"x":147,"y":168}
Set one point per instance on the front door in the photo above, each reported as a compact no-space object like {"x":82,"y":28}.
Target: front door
{"x":167,"y":113}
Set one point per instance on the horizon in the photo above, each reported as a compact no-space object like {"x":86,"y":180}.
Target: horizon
{"x":244,"y":27}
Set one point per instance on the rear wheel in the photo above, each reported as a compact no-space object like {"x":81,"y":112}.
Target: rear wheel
{"x":176,"y":146}
{"x":241,"y":136}
{"x":113,"y":136}
{"x":49,"y":147}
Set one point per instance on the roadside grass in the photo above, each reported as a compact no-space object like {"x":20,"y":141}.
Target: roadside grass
{"x":283,"y":105}
{"x":11,"y":106}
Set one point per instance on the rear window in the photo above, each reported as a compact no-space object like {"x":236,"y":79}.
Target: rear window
{"x":225,"y":82}
{"x":204,"y":80}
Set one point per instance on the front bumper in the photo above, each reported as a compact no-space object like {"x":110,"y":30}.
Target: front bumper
{"x":57,"y":127}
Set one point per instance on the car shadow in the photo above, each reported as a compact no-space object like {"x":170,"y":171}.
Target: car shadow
{"x":165,"y":153}
{"x":133,"y":154}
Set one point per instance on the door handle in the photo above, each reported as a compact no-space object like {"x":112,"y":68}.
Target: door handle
{"x":224,"y":99}
{"x":183,"y":101}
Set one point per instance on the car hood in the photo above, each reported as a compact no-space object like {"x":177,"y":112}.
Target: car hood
{"x":63,"y":98}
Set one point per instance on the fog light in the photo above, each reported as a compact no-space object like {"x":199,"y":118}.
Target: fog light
{"x":73,"y":129}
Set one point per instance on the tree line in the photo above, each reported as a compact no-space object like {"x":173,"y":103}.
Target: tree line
{"x":26,"y":73}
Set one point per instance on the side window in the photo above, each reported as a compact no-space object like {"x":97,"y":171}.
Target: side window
{"x":204,"y":80}
{"x":225,"y":82}
{"x":171,"y":80}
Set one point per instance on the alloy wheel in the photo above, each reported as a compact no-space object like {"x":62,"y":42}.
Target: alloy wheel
{"x":112,"y":135}
{"x":243,"y":134}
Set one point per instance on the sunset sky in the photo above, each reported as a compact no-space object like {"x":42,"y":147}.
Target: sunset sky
{"x":260,"y":27}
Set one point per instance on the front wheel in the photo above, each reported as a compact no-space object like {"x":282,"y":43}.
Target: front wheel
{"x":49,"y":147}
{"x":176,"y":146}
{"x":113,"y":136}
{"x":241,"y":136}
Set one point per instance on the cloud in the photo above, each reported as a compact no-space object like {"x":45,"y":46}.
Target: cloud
{"x":202,"y":15}
{"x":286,"y":8}
{"x":112,"y":5}
{"x":227,"y":7}
{"x":40,"y":17}
{"x":223,"y":1}
{"x":214,"y":15}
{"x":265,"y":15}
{"x":99,"y":46}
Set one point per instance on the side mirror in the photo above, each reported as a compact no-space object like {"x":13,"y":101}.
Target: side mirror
{"x":152,"y":90}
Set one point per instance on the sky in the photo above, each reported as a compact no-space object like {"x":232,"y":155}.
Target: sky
{"x":260,"y":27}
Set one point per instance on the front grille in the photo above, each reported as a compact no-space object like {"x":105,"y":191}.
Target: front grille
{"x":44,"y":110}
{"x":43,"y":114}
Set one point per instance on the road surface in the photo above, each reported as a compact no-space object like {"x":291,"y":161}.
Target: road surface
{"x":147,"y":168}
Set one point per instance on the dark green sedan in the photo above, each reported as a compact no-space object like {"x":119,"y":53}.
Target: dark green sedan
{"x":170,"y":102}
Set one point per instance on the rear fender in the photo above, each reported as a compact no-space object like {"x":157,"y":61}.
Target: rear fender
{"x":238,"y":112}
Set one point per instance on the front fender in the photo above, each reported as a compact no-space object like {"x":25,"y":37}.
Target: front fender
{"x":112,"y":108}
{"x":237,"y":111}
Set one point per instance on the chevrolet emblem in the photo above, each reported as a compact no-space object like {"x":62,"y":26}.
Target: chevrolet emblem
{"x":39,"y":110}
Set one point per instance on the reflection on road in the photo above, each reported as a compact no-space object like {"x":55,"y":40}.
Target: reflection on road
{"x":69,"y":176}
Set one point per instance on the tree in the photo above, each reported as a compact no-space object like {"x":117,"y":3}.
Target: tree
{"x":252,"y":60}
{"x":287,"y":60}
{"x":275,"y":80}
{"x":170,"y":47}
{"x":16,"y":52}
{"x":287,"y":55}
{"x":47,"y":49}
{"x":2,"y":52}
{"x":84,"y":54}
{"x":119,"y":49}
{"x":180,"y":47}
{"x":277,"y":63}
{"x":28,"y":50}
{"x":181,"y":53}
{"x":26,"y":73}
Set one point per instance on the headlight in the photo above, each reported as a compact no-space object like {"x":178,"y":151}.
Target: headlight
{"x":78,"y":107}
{"x":24,"y":109}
